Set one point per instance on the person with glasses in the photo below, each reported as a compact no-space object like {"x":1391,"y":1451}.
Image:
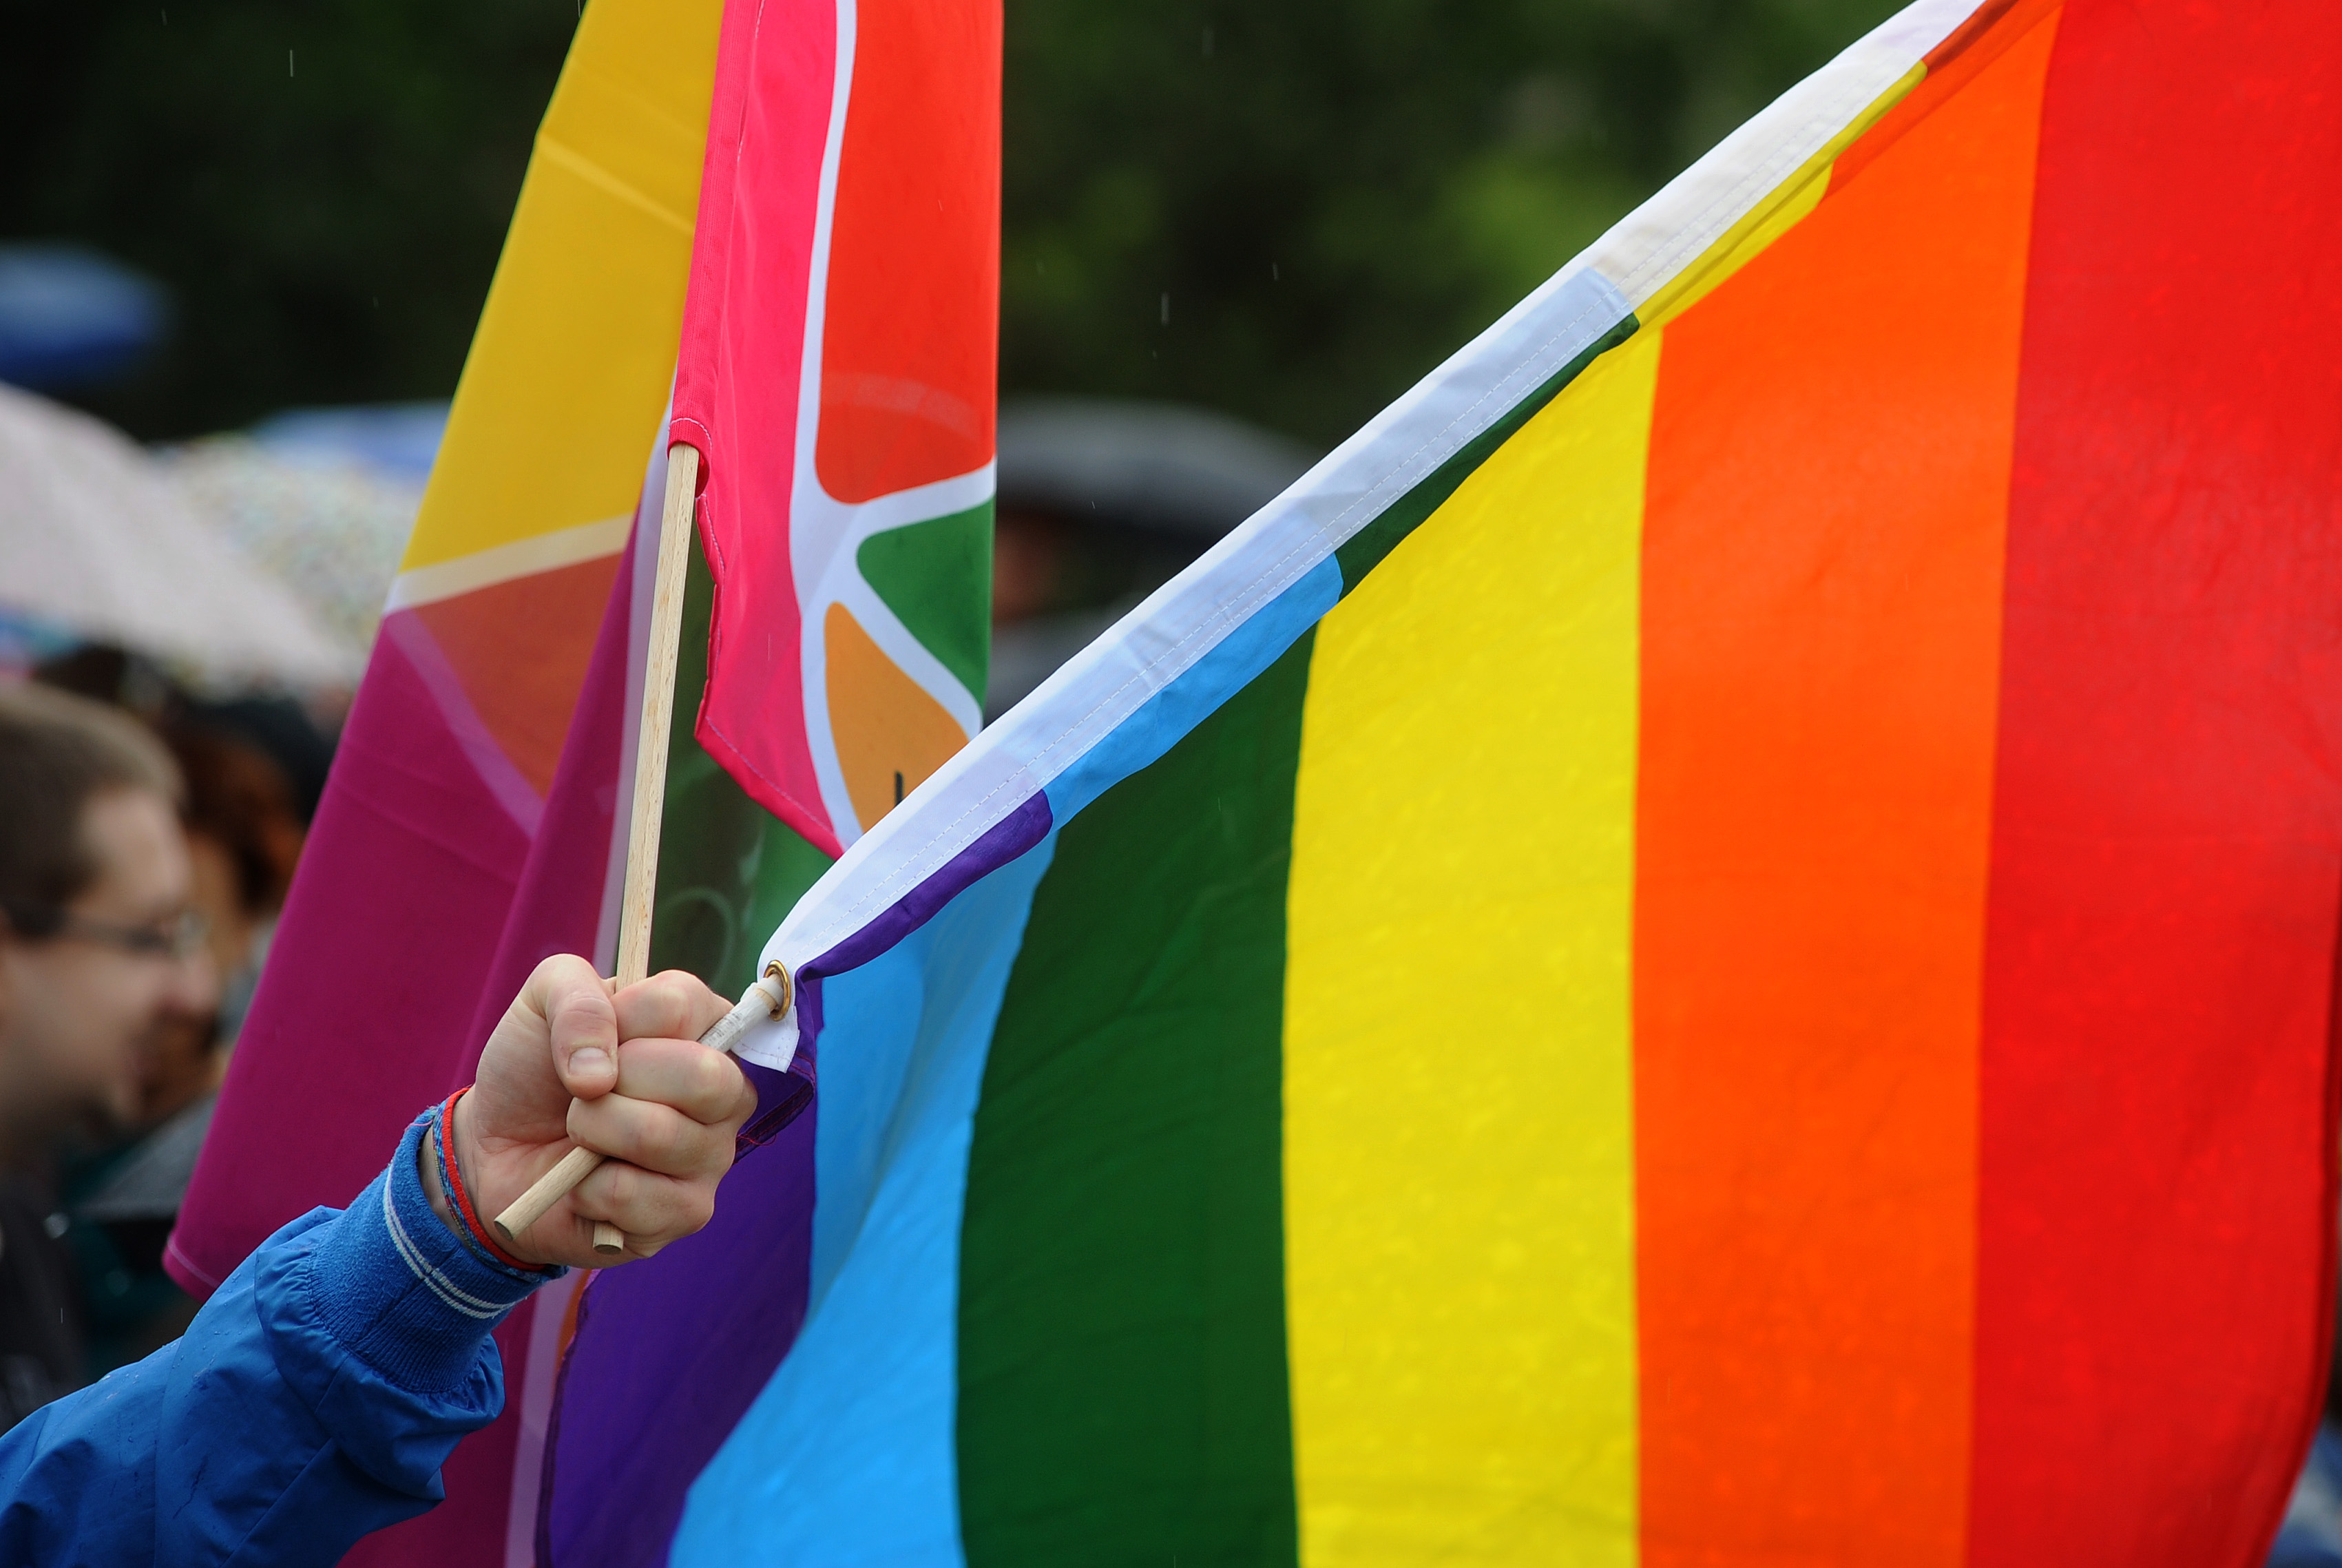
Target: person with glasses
{"x":318,"y":1392}
{"x":99,"y":952}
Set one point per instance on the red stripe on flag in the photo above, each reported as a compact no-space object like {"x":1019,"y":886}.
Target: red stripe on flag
{"x":2158,"y":1134}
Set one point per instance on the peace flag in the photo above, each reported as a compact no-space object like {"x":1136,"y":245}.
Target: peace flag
{"x":836,"y":377}
{"x":1713,"y":943}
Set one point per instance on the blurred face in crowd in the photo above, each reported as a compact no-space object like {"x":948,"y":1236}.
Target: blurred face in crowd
{"x":183,"y":1062}
{"x":80,"y":1010}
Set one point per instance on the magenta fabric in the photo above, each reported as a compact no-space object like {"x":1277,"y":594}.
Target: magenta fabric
{"x":364,"y":1012}
{"x":420,"y":906}
{"x":555,"y":909}
{"x":558,"y":906}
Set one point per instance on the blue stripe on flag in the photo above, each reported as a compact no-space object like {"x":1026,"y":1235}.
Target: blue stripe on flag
{"x":1197,"y":692}
{"x":849,"y":1455}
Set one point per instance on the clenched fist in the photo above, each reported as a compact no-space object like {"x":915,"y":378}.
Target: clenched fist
{"x":621,"y":1072}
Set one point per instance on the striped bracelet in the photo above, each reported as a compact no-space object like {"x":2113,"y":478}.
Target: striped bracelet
{"x":450,"y":1177}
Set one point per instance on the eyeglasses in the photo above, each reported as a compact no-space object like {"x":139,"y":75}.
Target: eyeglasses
{"x":179,"y":937}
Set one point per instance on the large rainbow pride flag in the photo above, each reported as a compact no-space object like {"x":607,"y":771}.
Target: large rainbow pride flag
{"x":1714,"y":944}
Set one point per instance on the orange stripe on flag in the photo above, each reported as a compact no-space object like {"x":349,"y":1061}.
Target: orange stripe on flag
{"x":1821,"y":588}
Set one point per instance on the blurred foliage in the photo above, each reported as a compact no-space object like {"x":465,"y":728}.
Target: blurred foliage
{"x":1292,"y":209}
{"x":327,"y":224}
{"x":1289,"y":208}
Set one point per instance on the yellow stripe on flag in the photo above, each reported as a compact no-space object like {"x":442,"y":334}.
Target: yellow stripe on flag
{"x":1458,"y":1149}
{"x":560,"y":398}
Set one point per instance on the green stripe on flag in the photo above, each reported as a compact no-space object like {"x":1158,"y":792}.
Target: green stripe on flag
{"x":1123,"y":1383}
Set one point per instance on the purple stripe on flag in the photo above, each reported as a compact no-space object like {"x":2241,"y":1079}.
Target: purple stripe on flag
{"x":1006,"y":839}
{"x":670,"y":1353}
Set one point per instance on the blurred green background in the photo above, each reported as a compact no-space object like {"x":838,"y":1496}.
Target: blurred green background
{"x":1288,"y":209}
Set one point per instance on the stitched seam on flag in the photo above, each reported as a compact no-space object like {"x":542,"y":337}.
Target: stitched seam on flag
{"x":1433,"y":466}
{"x":551,"y":550}
{"x":171,"y":1248}
{"x":1317,"y":545}
{"x":1844,"y":112}
{"x":1232,"y":614}
{"x":1698,"y":235}
{"x":445,"y":1289}
{"x":1440,"y":438}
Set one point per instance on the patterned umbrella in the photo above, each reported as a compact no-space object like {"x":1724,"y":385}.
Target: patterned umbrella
{"x":93,"y":539}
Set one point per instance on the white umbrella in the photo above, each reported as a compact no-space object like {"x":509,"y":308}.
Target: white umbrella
{"x":93,"y":539}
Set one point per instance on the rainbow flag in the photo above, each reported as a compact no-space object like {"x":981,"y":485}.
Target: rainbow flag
{"x":1713,"y":943}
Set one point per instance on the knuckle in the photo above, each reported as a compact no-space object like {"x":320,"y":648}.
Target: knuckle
{"x":625,"y":1190}
{"x":716,"y":1078}
{"x":661,"y":1145}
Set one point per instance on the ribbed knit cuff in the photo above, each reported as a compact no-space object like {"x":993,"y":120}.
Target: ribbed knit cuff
{"x":394,"y":1286}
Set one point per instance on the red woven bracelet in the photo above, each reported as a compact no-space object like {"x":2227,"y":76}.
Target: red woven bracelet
{"x":452,"y":1168}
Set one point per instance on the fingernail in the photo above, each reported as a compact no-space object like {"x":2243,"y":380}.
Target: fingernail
{"x":589,"y":1059}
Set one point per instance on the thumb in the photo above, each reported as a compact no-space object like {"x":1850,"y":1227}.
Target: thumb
{"x":583,"y":1024}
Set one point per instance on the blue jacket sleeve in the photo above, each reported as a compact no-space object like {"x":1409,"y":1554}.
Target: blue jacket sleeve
{"x":312,"y":1400}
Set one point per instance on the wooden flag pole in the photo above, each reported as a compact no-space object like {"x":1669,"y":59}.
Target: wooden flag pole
{"x":650,"y":800}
